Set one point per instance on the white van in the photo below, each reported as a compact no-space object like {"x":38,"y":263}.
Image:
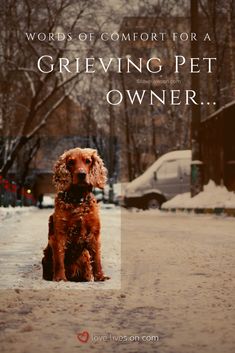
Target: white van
{"x":165,"y":178}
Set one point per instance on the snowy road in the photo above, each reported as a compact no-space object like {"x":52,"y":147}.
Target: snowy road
{"x":177,"y":283}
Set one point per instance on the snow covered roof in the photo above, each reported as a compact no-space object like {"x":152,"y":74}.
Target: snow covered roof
{"x":217,"y":112}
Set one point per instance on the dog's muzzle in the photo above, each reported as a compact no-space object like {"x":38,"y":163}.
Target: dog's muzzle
{"x":81,"y":176}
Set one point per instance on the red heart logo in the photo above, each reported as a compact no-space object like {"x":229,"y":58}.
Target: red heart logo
{"x":83,"y":337}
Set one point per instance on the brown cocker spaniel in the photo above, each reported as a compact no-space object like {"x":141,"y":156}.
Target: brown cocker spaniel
{"x":73,"y":250}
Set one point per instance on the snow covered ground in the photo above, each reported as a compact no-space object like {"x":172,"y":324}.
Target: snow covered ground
{"x":23,"y":236}
{"x":177,"y":284}
{"x":213,"y":196}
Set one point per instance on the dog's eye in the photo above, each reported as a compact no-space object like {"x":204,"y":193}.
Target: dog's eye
{"x":70,"y":163}
{"x":87,"y":161}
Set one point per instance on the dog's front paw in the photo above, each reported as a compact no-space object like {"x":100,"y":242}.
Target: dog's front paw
{"x":60,"y":276}
{"x":101,"y":278}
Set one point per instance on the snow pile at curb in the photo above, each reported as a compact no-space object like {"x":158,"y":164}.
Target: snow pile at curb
{"x":8,"y":212}
{"x":213,"y":196}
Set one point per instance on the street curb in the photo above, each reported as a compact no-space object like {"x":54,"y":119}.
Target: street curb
{"x":219,"y":211}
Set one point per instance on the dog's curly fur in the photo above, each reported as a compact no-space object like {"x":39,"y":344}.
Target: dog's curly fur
{"x":73,"y":250}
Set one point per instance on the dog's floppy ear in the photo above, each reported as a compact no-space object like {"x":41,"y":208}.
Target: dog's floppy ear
{"x":62,"y":177}
{"x":98,"y":173}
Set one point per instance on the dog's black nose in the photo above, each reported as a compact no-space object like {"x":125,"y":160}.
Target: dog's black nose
{"x":81,"y":176}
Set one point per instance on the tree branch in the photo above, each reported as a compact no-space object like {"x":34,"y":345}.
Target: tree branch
{"x":50,"y":111}
{"x":31,"y":83}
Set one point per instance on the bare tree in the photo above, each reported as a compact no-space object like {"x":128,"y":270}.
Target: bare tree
{"x":28,"y":96}
{"x":212,"y":14}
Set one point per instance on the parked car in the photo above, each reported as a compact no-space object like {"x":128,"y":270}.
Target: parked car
{"x":47,"y":201}
{"x":165,"y":178}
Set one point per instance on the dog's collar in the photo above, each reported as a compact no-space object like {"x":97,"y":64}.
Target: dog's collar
{"x":74,"y":198}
